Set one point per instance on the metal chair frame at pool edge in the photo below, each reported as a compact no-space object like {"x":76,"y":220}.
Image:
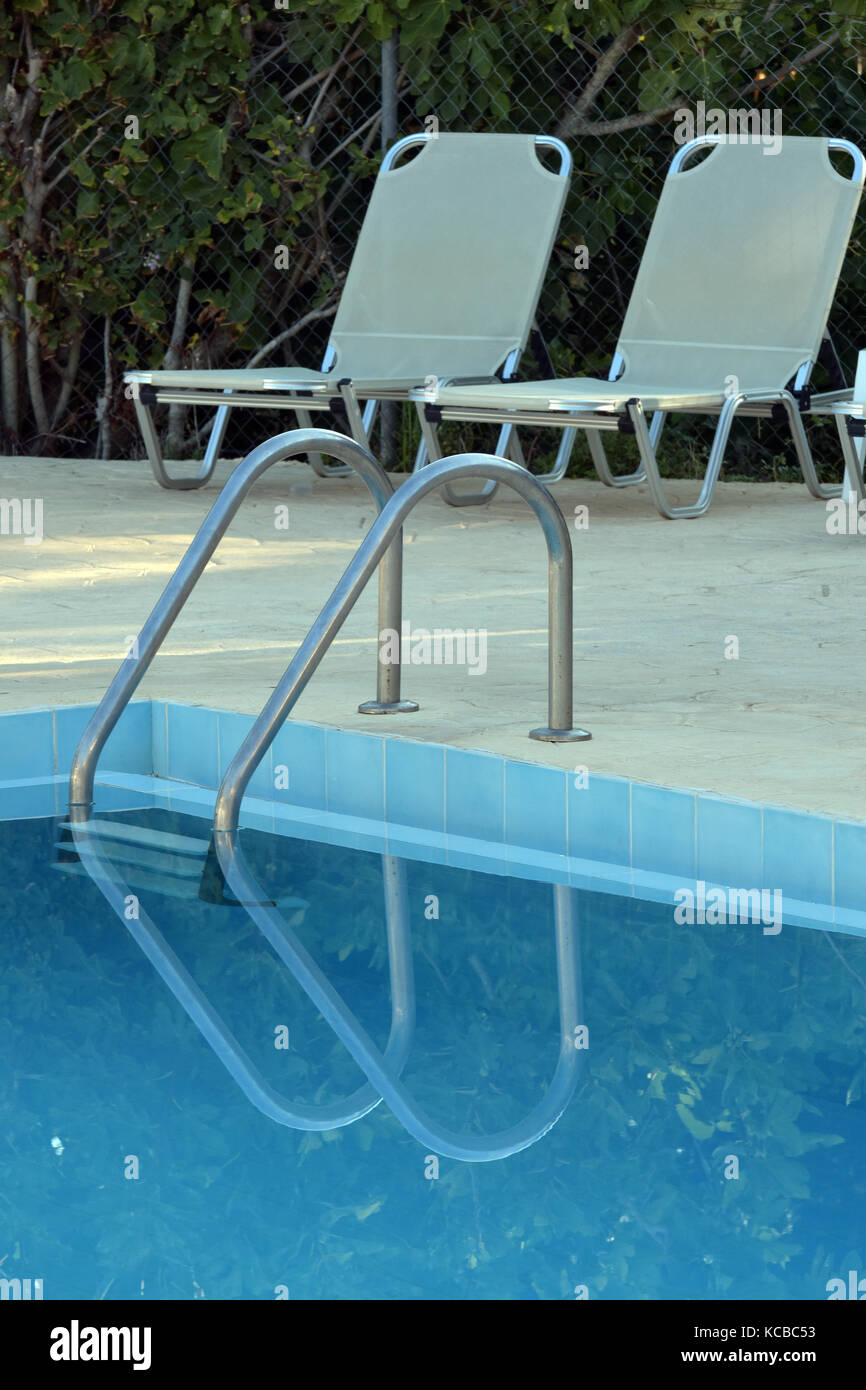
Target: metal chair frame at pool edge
{"x":414,"y":303}
{"x":777,"y":227}
{"x":381,"y":544}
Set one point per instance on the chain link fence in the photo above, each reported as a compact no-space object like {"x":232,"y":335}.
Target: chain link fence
{"x":200,"y":180}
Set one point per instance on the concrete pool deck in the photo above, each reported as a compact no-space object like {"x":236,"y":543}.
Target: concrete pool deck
{"x":656,"y":604}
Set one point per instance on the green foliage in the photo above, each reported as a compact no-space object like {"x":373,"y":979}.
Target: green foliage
{"x":255,"y":127}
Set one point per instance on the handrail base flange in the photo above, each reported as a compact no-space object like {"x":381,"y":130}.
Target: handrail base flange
{"x":560,"y":735}
{"x":388,"y":707}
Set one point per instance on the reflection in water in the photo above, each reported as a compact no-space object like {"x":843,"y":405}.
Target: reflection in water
{"x":707,"y":1043}
{"x":383,"y":1070}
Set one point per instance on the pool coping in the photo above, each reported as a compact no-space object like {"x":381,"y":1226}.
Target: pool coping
{"x":453,"y":805}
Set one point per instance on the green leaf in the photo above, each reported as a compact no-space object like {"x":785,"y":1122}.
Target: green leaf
{"x":656,"y":1087}
{"x":87,"y":204}
{"x":362,"y":1213}
{"x":657,"y":88}
{"x":207,"y":146}
{"x":694,"y":1125}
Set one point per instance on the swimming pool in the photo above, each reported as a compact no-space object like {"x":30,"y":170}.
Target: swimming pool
{"x":712,"y":1149}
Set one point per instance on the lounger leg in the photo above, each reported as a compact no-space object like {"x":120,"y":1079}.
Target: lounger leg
{"x":648,"y":455}
{"x":154,"y":452}
{"x":804,"y":454}
{"x":717,"y":452}
{"x":506,"y":446}
{"x":484,"y":494}
{"x":563,"y":458}
{"x":599,"y":458}
{"x":316,"y":462}
{"x":513,"y":449}
{"x":357,"y":421}
{"x":420,"y":456}
{"x":853,"y":461}
{"x":430,"y":450}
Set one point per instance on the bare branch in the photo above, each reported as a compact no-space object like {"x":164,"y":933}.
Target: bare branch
{"x":605,"y":66}
{"x":76,"y":132}
{"x":323,"y":90}
{"x":103,"y":407}
{"x":765,"y":84}
{"x":323,"y":312}
{"x":58,"y":178}
{"x":172,"y":358}
{"x":372,"y":121}
{"x":624,"y":122}
{"x":33,"y":357}
{"x":68,"y":373}
{"x":308,"y":82}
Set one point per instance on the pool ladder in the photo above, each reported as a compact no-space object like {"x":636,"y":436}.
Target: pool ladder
{"x":381,"y":547}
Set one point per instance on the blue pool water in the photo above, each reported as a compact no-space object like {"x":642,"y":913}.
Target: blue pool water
{"x":706,"y":1044}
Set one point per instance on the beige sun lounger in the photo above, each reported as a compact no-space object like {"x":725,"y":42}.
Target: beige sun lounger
{"x":726,"y":317}
{"x":444,"y":282}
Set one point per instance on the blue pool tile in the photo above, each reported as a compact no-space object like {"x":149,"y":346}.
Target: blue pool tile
{"x":233,"y":729}
{"x":729,"y":842}
{"x":298,"y":752}
{"x":535,"y":807}
{"x":598,"y":819}
{"x":409,"y":842}
{"x":521,"y":862}
{"x":70,"y":721}
{"x":849,"y":920}
{"x":663,"y":830}
{"x":26,"y":744}
{"x":850,"y":865}
{"x":474,"y":794}
{"x":797,"y":854}
{"x":415,"y":784}
{"x":159,"y":737}
{"x":193,"y":744}
{"x":129,"y":747}
{"x":599,"y":876}
{"x":355,"y":774}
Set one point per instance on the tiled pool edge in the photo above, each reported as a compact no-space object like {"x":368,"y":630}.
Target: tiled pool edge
{"x":641,"y":838}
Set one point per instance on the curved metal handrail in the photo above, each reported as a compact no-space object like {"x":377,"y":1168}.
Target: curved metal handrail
{"x":300,"y":670}
{"x":258,"y":1091}
{"x":207,"y":538}
{"x":468,"y":1148}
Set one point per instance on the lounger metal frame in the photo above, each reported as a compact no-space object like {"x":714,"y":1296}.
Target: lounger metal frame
{"x":309,"y":398}
{"x":630,"y":416}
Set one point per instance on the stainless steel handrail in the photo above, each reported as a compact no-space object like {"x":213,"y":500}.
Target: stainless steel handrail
{"x":469,"y":1148}
{"x":207,"y":538}
{"x":300,"y":670}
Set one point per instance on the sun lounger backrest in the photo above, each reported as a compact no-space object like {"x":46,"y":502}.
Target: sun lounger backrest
{"x":740,"y":267}
{"x":450,"y":260}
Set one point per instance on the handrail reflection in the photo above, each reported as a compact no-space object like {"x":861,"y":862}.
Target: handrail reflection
{"x":239,"y":1065}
